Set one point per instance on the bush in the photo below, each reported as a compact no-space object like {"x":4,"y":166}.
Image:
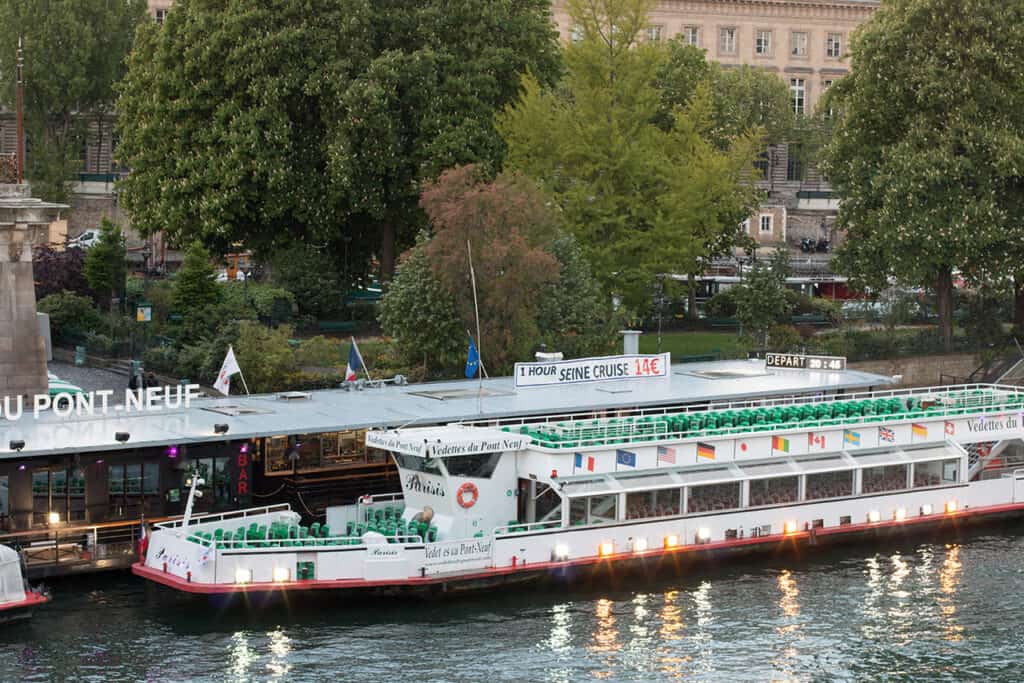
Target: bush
{"x":722,"y":305}
{"x":784,"y":338}
{"x":71,"y":316}
{"x":99,"y":344}
{"x":163,"y":359}
{"x":258,"y":301}
{"x":321,"y":352}
{"x":195,"y":288}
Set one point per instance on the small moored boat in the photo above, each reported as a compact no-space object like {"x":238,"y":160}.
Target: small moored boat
{"x":17,"y":600}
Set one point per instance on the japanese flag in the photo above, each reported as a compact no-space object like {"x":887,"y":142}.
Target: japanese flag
{"x":230,"y":367}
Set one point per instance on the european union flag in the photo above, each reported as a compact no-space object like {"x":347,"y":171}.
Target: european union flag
{"x":627,"y":458}
{"x":472,"y":360}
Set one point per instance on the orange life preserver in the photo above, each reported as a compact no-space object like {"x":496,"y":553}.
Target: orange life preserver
{"x":467,"y":495}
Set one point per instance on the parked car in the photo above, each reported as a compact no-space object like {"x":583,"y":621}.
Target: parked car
{"x":222,"y":276}
{"x":89,"y":238}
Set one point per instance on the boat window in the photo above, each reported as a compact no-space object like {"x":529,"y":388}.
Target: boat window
{"x":885,"y":478}
{"x":577,"y":511}
{"x":713,"y":497}
{"x":480,"y":466}
{"x":936,"y":473}
{"x":774,"y":491}
{"x":411,"y":462}
{"x":662,"y":503}
{"x":829,"y":485}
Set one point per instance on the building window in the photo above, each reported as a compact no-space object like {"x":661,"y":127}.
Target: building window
{"x":576,"y":33}
{"x":745,"y":226}
{"x":762,"y":163}
{"x":798,"y":44}
{"x":795,"y":164}
{"x":763,"y":43}
{"x":160,"y":15}
{"x":654,"y":33}
{"x":727,"y":40}
{"x":691,"y":35}
{"x":825,"y":85}
{"x":834,"y":45}
{"x":798,"y":89}
{"x":767,"y":221}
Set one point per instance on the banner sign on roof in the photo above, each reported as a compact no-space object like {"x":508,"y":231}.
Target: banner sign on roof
{"x":603,"y":369}
{"x":798,"y":361}
{"x":439,"y":443}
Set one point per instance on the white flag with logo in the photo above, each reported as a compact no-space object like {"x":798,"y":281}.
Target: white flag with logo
{"x":230,"y":367}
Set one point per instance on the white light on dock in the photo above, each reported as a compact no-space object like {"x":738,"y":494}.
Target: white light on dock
{"x":282,"y":574}
{"x":789,"y":527}
{"x":243,"y":575}
{"x":926,"y":509}
{"x":874,"y":516}
{"x":560,"y":553}
{"x":53,"y":518}
{"x":605,"y":549}
{"x":639,"y":545}
{"x":900,"y":514}
{"x":671,"y":541}
{"x":703,"y":534}
{"x":951,"y":506}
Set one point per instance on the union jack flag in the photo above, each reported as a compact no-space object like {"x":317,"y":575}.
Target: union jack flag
{"x":886,"y":434}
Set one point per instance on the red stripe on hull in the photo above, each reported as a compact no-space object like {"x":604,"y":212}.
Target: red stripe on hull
{"x":173,"y":581}
{"x":31,"y":600}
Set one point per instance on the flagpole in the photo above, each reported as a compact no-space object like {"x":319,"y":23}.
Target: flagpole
{"x":479,"y":340}
{"x":362,"y":361}
{"x":244,"y":385}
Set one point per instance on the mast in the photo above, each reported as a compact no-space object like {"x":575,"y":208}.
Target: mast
{"x":20,"y":117}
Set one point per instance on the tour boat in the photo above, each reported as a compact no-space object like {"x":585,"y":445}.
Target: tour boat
{"x":567,"y":496}
{"x":17,"y":601}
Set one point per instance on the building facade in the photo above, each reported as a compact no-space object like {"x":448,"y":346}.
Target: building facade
{"x":805,"y":42}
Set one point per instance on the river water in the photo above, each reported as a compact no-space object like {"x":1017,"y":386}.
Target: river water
{"x":945,"y":609}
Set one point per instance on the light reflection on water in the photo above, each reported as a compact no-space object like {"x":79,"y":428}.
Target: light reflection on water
{"x":943,"y":611}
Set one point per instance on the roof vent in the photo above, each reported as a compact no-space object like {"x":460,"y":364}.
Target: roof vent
{"x":294,"y":396}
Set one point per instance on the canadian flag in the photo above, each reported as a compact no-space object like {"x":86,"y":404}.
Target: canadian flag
{"x":228,"y":368}
{"x":815,"y":440}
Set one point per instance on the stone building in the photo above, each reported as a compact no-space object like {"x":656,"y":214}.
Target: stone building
{"x":804,"y":42}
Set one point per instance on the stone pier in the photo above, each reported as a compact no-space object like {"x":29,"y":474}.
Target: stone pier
{"x":24,"y":222}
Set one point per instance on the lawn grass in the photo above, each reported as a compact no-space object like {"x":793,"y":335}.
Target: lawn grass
{"x":681,"y":344}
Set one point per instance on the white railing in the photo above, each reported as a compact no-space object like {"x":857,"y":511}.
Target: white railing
{"x":605,"y":431}
{"x":526,"y":526}
{"x":222,"y":516}
{"x":308,"y":544}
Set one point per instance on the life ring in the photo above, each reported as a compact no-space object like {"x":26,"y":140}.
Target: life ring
{"x":467,"y":495}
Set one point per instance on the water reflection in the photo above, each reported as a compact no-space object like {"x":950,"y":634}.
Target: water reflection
{"x":703,"y":636}
{"x":560,"y":638}
{"x":670,"y":659}
{"x":949,"y":583}
{"x":790,"y":629}
{"x":606,"y":635}
{"x":280,"y":648}
{"x":241,"y":655}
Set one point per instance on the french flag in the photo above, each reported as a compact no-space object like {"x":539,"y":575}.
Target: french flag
{"x":355,"y":363}
{"x":579,"y":461}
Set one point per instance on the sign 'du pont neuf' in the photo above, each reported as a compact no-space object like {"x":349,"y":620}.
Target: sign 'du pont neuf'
{"x":604,"y":369}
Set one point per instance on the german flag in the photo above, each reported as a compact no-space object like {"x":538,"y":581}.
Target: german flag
{"x":705,"y":450}
{"x":780,"y":444}
{"x":919,"y":430}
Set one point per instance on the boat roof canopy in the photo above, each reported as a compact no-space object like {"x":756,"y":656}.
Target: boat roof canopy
{"x":447,"y":441}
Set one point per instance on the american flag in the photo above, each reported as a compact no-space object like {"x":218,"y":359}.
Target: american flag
{"x":886,"y":434}
{"x":666,"y":454}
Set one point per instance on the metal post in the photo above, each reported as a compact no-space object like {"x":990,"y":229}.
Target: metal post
{"x":20,"y":115}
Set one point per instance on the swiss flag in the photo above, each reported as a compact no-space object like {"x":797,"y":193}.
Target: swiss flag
{"x":950,"y":428}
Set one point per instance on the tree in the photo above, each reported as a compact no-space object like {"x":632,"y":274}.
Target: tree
{"x":761,"y":299}
{"x":309,"y":274}
{"x":575,"y":315}
{"x":105,"y":265}
{"x":928,"y":153}
{"x":74,"y":53}
{"x":644,"y":193}
{"x":319,"y":126}
{"x":59,"y":271}
{"x":420,"y":314}
{"x":195,"y":286}
{"x":507,"y":223}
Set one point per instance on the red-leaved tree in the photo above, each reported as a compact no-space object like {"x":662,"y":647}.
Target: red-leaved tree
{"x":507,"y":223}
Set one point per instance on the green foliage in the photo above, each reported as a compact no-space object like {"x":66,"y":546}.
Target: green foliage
{"x":105,"y":266}
{"x":309,"y":274}
{"x":322,"y":352}
{"x":257,"y":300}
{"x":420,"y":315}
{"x":195,"y":288}
{"x":265,"y":356}
{"x":928,"y":154}
{"x":74,"y":53}
{"x":71,"y":316}
{"x":784,"y":338}
{"x":644,"y":192}
{"x":723,"y":304}
{"x":317,"y":126}
{"x":761,"y":299}
{"x":575,"y":316}
{"x":985,"y":311}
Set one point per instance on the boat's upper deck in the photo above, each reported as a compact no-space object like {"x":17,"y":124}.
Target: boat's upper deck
{"x":802,"y":413}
